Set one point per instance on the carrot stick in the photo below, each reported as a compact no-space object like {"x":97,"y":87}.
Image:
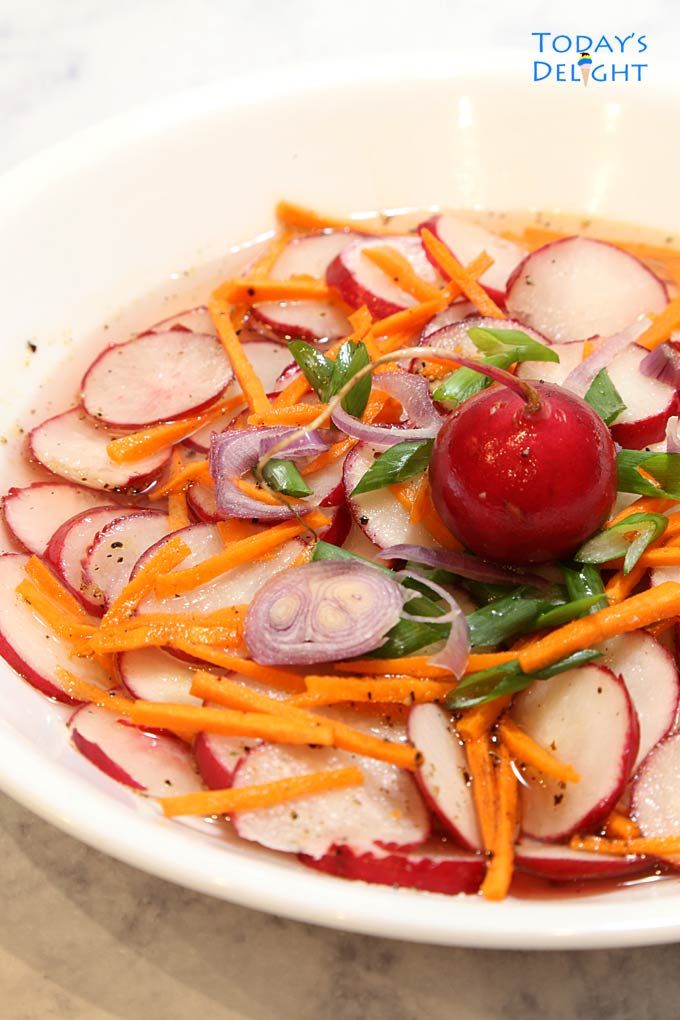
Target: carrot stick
{"x":620,"y":585}
{"x":420,"y":665}
{"x":234,"y":529}
{"x":450,"y":265}
{"x":619,"y":826}
{"x":587,"y":349}
{"x":137,"y":445}
{"x":638,"y":611}
{"x":178,"y":512}
{"x":271,"y":254}
{"x":46,"y":582}
{"x":669,"y":556}
{"x":244,"y":551}
{"x":657,"y":846}
{"x":433,"y":522}
{"x":168,"y":556}
{"x":285,"y":680}
{"x":251,"y":289}
{"x":223,"y":721}
{"x":335,"y":452}
{"x":400,"y":689}
{"x":158,"y":635}
{"x":254,"y":491}
{"x":181,"y":479}
{"x":248,"y":379}
{"x":62,"y":623}
{"x":297,"y":217}
{"x":265,"y":795}
{"x":401,"y":272}
{"x":662,"y":326}
{"x":481,"y":768}
{"x":499,"y":872}
{"x":293,"y":414}
{"x":643,"y":505}
{"x":525,"y":750}
{"x":477,"y":721}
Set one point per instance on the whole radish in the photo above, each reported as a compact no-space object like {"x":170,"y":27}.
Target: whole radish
{"x":523,"y":473}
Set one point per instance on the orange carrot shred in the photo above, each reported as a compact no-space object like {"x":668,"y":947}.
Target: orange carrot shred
{"x":182,"y":478}
{"x":657,"y":846}
{"x":273,"y":676}
{"x":459,"y":275}
{"x":477,"y":721}
{"x":401,"y":272}
{"x":525,"y":750}
{"x":251,"y":289}
{"x":399,"y":689}
{"x":619,"y":826}
{"x":297,"y":217}
{"x":47,"y":582}
{"x":137,"y":445}
{"x":292,"y":414}
{"x":481,"y":768}
{"x":248,"y":379}
{"x":662,"y":326}
{"x":168,"y":556}
{"x":499,"y":872}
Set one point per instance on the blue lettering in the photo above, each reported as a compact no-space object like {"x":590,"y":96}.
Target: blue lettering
{"x":603,"y":44}
{"x":639,"y":69}
{"x":622,"y":42}
{"x":620,"y":72}
{"x":542,"y":63}
{"x":541,"y":35}
{"x":583,"y":43}
{"x":561,"y":49}
{"x":560,"y":72}
{"x":598,"y":73}
{"x":642,"y":45}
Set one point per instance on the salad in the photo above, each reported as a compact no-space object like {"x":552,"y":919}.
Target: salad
{"x":375,"y":555}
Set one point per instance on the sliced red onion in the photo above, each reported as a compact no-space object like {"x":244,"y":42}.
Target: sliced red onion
{"x":320,"y":612}
{"x":461,"y":564}
{"x":454,"y":655}
{"x":581,"y":377}
{"x":663,"y":363}
{"x":413,"y":393}
{"x":673,"y":435}
{"x":236,"y":451}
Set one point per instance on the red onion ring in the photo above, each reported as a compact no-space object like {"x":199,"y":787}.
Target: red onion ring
{"x":413,"y":393}
{"x":462,"y":564}
{"x":581,"y":377}
{"x":673,"y":435}
{"x":236,"y":451}
{"x":321,"y":612}
{"x":663,"y":363}
{"x":454,"y":655}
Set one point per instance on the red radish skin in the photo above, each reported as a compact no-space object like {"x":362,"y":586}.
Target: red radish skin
{"x":577,"y":287}
{"x":434,"y":871}
{"x":522,"y":487}
{"x":159,"y":764}
{"x":73,"y":446}
{"x":196,"y":320}
{"x":201,"y":502}
{"x":155,"y":377}
{"x":561,"y":864}
{"x":443,"y":778}
{"x":602,"y":749}
{"x":153,"y":675}
{"x":34,"y":513}
{"x":651,"y":678}
{"x":467,"y":240}
{"x":69,"y":546}
{"x":360,"y":282}
{"x":313,"y":321}
{"x":649,"y":402}
{"x":28,"y":645}
{"x":110,"y":556}
{"x":218,"y":758}
{"x":656,"y":793}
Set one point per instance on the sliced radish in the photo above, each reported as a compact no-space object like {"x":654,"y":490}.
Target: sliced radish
{"x":153,"y":675}
{"x":360,"y":282}
{"x":35,"y":512}
{"x":68,"y":549}
{"x":201,"y":500}
{"x":156,"y":377}
{"x":218,"y":758}
{"x":661,"y":574}
{"x":358,"y":544}
{"x":561,"y":864}
{"x":387,"y":809}
{"x":468,"y":240}
{"x":656,"y":792}
{"x":158,"y":763}
{"x":379,"y":514}
{"x":311,"y":256}
{"x":73,"y":446}
{"x":200,"y":441}
{"x":28,"y":645}
{"x":196,"y":320}
{"x":651,"y":677}
{"x":338,"y":530}
{"x":301,"y":320}
{"x":234,"y":587}
{"x":586,"y":718}
{"x":455,"y":339}
{"x":269,"y":360}
{"x":430,"y":869}
{"x":577,"y":288}
{"x":454,"y":313}
{"x":649,"y":402}
{"x":111,"y":554}
{"x":443,"y":778}
{"x":556,"y":372}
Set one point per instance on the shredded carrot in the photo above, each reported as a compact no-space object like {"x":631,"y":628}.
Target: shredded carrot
{"x":477,"y":721}
{"x":253,"y":490}
{"x":181,"y":479}
{"x":588,"y":349}
{"x":647,"y":477}
{"x":420,"y":665}
{"x":297,"y":217}
{"x":284,"y":680}
{"x":620,"y":585}
{"x":481,"y":768}
{"x":178,"y":513}
{"x":251,"y":289}
{"x":335,"y":452}
{"x":293,"y":392}
{"x":421,"y":500}
{"x":668,"y":556}
{"x":137,"y":633}
{"x":499,"y":872}
{"x":526,"y":751}
{"x":638,"y":611}
{"x":400,"y":689}
{"x":404,"y":493}
{"x":643,"y":505}
{"x":137,"y":445}
{"x":619,"y":826}
{"x":265,"y":795}
{"x":292,"y":414}
{"x":432,"y":521}
{"x":64,"y":624}
{"x":246,"y":550}
{"x":168,"y":556}
{"x":401,"y":272}
{"x":656,"y":846}
{"x":409,"y":320}
{"x":234,"y":529}
{"x":49,"y":585}
{"x":248,"y":379}
{"x":271,"y":254}
{"x":662,"y":326}
{"x":450,"y":265}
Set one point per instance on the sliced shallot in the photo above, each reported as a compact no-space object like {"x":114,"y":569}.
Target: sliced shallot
{"x":462,"y":564}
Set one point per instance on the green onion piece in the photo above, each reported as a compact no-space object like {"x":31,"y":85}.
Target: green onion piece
{"x":503,"y":618}
{"x":559,"y":615}
{"x":582,"y":581}
{"x":465,"y":382}
{"x":350,"y":358}
{"x":664,"y":467}
{"x":629,"y":538}
{"x":508,"y":678}
{"x":326,"y":551}
{"x":513,"y":341}
{"x":604,"y":397}
{"x":315,"y":366}
{"x":283,"y":476}
{"x":399,"y":463}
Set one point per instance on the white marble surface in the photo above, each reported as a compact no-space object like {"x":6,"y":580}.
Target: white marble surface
{"x":87,"y":938}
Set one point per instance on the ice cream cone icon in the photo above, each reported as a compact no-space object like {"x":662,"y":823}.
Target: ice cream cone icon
{"x":585,"y":63}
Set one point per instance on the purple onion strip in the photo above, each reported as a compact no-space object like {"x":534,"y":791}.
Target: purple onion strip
{"x":454,"y":655}
{"x":581,"y":377}
{"x":462,"y":564}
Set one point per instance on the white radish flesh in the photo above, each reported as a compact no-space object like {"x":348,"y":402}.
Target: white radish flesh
{"x":157,"y":763}
{"x":561,"y":864}
{"x":651,"y":678}
{"x":73,"y":446}
{"x":555,"y":372}
{"x":302,"y":320}
{"x":577,"y":288}
{"x":152,"y":675}
{"x":456,"y":312}
{"x":218,"y":758}
{"x":112,"y":553}
{"x":311,"y":256}
{"x":196,"y":320}
{"x":28,"y":645}
{"x":156,"y":377}
{"x":649,"y":402}
{"x":379,"y":513}
{"x":468,"y":240}
{"x":656,"y":793}
{"x":201,"y":501}
{"x":586,"y":719}
{"x":68,"y":549}
{"x":443,"y":778}
{"x":35,"y":512}
{"x":361,"y":282}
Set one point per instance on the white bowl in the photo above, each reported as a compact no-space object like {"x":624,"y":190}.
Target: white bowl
{"x":104,"y":218}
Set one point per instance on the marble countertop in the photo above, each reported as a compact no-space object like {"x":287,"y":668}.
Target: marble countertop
{"x":82,"y":936}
